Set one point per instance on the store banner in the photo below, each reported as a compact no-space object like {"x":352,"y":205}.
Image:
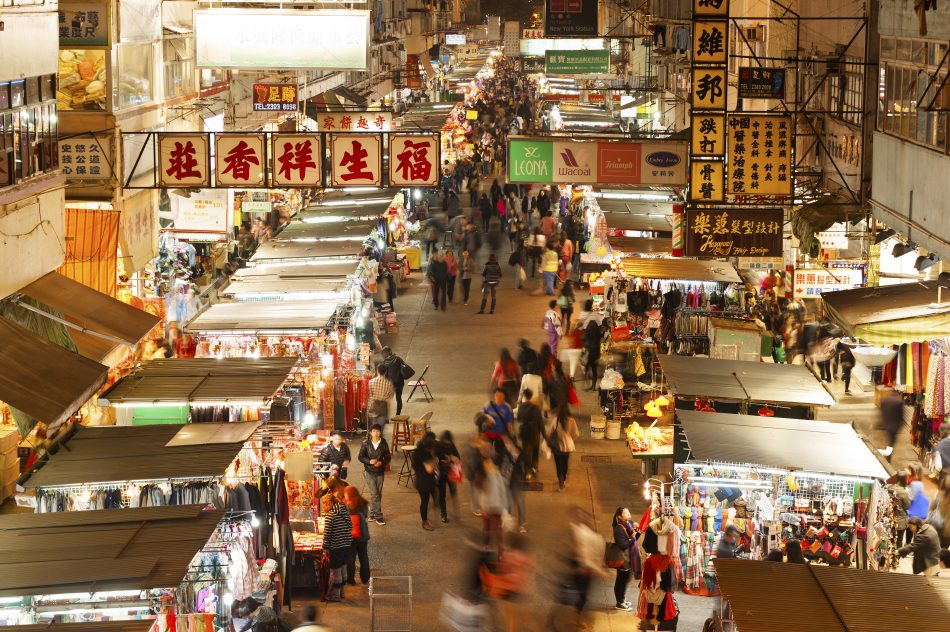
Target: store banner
{"x":760,"y":155}
{"x":86,"y":157}
{"x":204,"y":211}
{"x":708,"y":134}
{"x":365,"y":122}
{"x":709,"y":42}
{"x":734,"y":232}
{"x":356,"y":160}
{"x":531,"y":65}
{"x":532,"y":34}
{"x":239,"y":160}
{"x":183,"y":160}
{"x":538,"y":160}
{"x":708,"y":88}
{"x":267,"y":38}
{"x":707,"y":181}
{"x":577,"y":62}
{"x":296,"y":160}
{"x":414,"y":160}
{"x":83,"y":24}
{"x":413,"y":77}
{"x":138,"y":229}
{"x":710,"y":9}
{"x":761,"y":83}
{"x":274,"y":97}
{"x":835,"y":238}
{"x":571,"y":18}
{"x":456,"y":39}
{"x":538,"y":47}
{"x":840,"y":275}
{"x":760,"y":263}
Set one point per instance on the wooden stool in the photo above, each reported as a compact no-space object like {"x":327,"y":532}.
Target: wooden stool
{"x":401,"y":434}
{"x":406,"y":473}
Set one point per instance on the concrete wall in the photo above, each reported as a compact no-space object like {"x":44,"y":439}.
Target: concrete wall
{"x":29,"y":42}
{"x":897,"y":17}
{"x":32,"y":237}
{"x":912,"y":181}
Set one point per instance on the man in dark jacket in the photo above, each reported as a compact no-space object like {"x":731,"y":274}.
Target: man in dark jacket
{"x":531,"y":426}
{"x":492,"y":277}
{"x":337,"y":453}
{"x":925,"y":546}
{"x":375,"y":455}
{"x":395,"y":369}
{"x":438,"y":275}
{"x":526,"y":356}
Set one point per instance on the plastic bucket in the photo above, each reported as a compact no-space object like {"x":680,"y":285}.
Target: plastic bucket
{"x":613,"y":430}
{"x":598,"y":426}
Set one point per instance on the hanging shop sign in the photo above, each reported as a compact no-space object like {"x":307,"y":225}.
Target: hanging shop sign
{"x":711,"y":8}
{"x":761,"y":83}
{"x":413,"y":76}
{"x":414,"y":160}
{"x":354,"y":121}
{"x":83,"y":24}
{"x":239,"y":160}
{"x":709,"y":88}
{"x":575,"y":162}
{"x":183,"y":160}
{"x":85,"y":158}
{"x":532,"y":64}
{"x":709,"y":42}
{"x":296,"y":160}
{"x":708,"y":134}
{"x":274,"y":97}
{"x":707,"y":181}
{"x":456,"y":39}
{"x":532,"y":34}
{"x":356,"y":160}
{"x":538,"y":47}
{"x":836,"y":237}
{"x":255,"y":206}
{"x":837,"y":275}
{"x":760,"y":263}
{"x":734,"y":232}
{"x":570,"y":18}
{"x":204,"y":211}
{"x":471,"y":115}
{"x":282,"y":38}
{"x":760,"y":156}
{"x":577,"y":62}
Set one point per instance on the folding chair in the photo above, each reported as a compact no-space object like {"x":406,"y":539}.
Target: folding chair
{"x":421,"y":384}
{"x":419,"y":427}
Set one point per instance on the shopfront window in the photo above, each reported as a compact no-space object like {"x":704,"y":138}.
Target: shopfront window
{"x":847,"y":91}
{"x":133,"y":84}
{"x":28,"y":137}
{"x":906,"y":68}
{"x":82,"y":80}
{"x":179,"y":66}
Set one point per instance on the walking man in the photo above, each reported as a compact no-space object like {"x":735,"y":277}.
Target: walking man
{"x":398,"y":372}
{"x":492,"y":277}
{"x":375,"y":455}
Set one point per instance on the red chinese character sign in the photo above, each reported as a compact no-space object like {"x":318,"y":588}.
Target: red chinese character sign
{"x":357,"y":160}
{"x":414,"y":160}
{"x":183,"y":160}
{"x":239,"y":160}
{"x":367,"y":121}
{"x":296,"y":160}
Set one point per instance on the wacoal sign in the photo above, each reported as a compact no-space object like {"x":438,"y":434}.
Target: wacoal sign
{"x":575,"y":162}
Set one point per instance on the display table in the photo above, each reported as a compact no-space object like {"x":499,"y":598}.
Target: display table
{"x":650,"y":445}
{"x":413,"y":255}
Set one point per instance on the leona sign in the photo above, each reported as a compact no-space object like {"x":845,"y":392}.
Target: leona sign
{"x":548,"y":160}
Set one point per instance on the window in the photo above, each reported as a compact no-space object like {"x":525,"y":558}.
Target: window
{"x":179,"y":66}
{"x":847,"y":91}
{"x":133,"y":84}
{"x":28,"y":135}
{"x":906,"y":70}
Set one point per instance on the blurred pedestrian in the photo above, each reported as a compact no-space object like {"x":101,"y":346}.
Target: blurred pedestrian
{"x":451,"y":272}
{"x":561,"y":442}
{"x":397,"y":372}
{"x":309,"y":621}
{"x":925,"y":547}
{"x":530,"y":431}
{"x":552,"y":326}
{"x":359,"y":549}
{"x":425,"y":464}
{"x":512,"y":582}
{"x":467,"y":269}
{"x":492,"y":502}
{"x":891,"y":420}
{"x":506,"y":376}
{"x":438,"y":278}
{"x":450,"y":471}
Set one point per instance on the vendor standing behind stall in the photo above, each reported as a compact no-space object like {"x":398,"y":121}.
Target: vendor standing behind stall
{"x":337,"y":453}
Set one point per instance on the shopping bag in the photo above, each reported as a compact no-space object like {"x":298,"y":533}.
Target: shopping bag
{"x":615,"y":556}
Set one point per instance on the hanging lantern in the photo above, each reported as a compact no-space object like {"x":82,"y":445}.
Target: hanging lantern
{"x":707,"y":407}
{"x":765,"y":411}
{"x":662,"y":401}
{"x":649,"y":405}
{"x":654,"y":413}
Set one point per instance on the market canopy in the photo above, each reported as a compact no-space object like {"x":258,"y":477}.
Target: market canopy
{"x":356,"y":230}
{"x":310,"y":269}
{"x":281,"y":288}
{"x":113,"y":454}
{"x":891,"y":314}
{"x":698,"y":270}
{"x":290,"y":317}
{"x":769,"y":596}
{"x":640,"y":245}
{"x":777,"y":442}
{"x":141,"y":625}
{"x":97,"y":551}
{"x":740,"y":380}
{"x":282,"y":251}
{"x":201,"y":381}
{"x":43,"y":379}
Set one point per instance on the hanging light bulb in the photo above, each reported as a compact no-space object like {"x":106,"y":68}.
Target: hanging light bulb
{"x":649,"y":405}
{"x":255,"y":522}
{"x":228,"y":599}
{"x":646,"y":490}
{"x":309,"y":420}
{"x":654,"y":413}
{"x":662,"y":400}
{"x":765,"y":411}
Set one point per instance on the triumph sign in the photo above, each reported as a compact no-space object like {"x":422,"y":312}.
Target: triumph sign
{"x":558,"y":161}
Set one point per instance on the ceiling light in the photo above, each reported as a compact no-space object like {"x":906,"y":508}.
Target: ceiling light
{"x":884,"y":235}
{"x":903,"y":249}
{"x":923,"y":263}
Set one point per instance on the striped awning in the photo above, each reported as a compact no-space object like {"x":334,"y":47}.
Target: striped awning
{"x":897,"y":332}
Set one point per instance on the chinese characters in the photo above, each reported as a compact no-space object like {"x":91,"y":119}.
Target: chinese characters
{"x":760,"y":161}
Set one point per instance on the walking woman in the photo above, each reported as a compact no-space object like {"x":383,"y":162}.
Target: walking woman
{"x":565,"y":301}
{"x":450,"y":471}
{"x":492,"y":502}
{"x":467,"y":268}
{"x":552,"y":326}
{"x":506,"y":376}
{"x":625,"y":537}
{"x":561,"y":442}
{"x":337,"y":540}
{"x":359,"y":517}
{"x":425,"y":463}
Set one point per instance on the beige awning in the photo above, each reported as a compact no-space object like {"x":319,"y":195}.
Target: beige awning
{"x":427,"y":65}
{"x":43,"y":379}
{"x":681,"y":269}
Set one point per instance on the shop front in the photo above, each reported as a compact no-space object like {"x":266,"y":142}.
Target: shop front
{"x":778,"y":479}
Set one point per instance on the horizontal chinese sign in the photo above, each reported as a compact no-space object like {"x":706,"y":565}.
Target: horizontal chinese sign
{"x":813,"y":282}
{"x":560,"y":161}
{"x":283,"y":160}
{"x":577,"y":62}
{"x":354,"y":121}
{"x":734,"y":232}
{"x":274,"y":97}
{"x":761,"y":83}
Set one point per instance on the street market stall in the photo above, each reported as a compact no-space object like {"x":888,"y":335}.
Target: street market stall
{"x":775,"y":479}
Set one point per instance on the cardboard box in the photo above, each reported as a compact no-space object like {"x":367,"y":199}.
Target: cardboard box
{"x":11,"y":472}
{"x":7,"y":491}
{"x":9,"y":437}
{"x":7,"y":457}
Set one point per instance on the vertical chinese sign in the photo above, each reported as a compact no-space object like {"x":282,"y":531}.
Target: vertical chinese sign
{"x":708,"y":101}
{"x":413,"y":160}
{"x":760,"y":156}
{"x":239,"y":160}
{"x":357,"y":160}
{"x":183,"y":160}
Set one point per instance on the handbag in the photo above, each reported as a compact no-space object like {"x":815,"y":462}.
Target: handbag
{"x":562,"y":301}
{"x":455,"y":472}
{"x":933,"y":462}
{"x":406,"y":371}
{"x":572,"y":397}
{"x":616,"y":557}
